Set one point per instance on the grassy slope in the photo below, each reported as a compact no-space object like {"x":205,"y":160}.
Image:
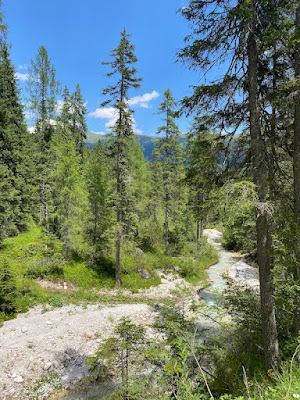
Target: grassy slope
{"x":34,"y":255}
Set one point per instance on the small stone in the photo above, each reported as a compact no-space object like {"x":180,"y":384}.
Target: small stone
{"x":24,"y":329}
{"x":19,"y":379}
{"x":47,"y":366}
{"x":55,"y":364}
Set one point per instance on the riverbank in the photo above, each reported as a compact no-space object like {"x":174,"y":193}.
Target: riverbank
{"x":44,"y":352}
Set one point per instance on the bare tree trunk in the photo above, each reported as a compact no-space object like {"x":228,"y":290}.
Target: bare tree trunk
{"x":198,"y":234}
{"x":167,"y":223}
{"x":118,"y":238}
{"x":263,"y":218}
{"x":201,"y":227}
{"x":296,"y":162}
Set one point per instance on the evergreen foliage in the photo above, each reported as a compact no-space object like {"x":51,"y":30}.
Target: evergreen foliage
{"x":168,"y":154}
{"x":122,"y":135}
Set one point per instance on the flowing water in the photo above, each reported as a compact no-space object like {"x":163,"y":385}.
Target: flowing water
{"x":211,"y":297}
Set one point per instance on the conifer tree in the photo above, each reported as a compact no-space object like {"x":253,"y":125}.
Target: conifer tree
{"x":168,"y":153}
{"x":201,"y":172}
{"x":43,"y":89}
{"x":99,"y":193}
{"x":16,"y":147}
{"x":70,"y":197}
{"x":8,"y":289}
{"x":236,"y":39}
{"x":123,"y":58}
{"x":79,"y":126}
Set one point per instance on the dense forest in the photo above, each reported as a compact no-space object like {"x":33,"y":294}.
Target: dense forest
{"x":107,"y":223}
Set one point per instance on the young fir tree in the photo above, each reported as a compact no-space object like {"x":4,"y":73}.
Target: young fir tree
{"x":16,"y":148}
{"x":234,"y":35}
{"x":99,"y":193}
{"x":168,"y":153}
{"x":43,"y":89}
{"x":123,"y":58}
{"x":72,"y":118}
{"x":79,"y":126}
{"x":8,"y":289}
{"x":201,"y":173}
{"x":70,"y":196}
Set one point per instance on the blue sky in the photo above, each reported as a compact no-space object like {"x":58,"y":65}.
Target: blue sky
{"x":79,"y":36}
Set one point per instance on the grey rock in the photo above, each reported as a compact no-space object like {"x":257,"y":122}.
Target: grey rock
{"x":144,"y":273}
{"x":24,"y":329}
{"x":139,"y":252}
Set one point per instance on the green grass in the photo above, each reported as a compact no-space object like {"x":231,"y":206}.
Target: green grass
{"x":32,"y":254}
{"x":281,"y":386}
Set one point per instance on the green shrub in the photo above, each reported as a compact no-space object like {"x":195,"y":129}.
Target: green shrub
{"x":8,"y":289}
{"x":46,"y":267}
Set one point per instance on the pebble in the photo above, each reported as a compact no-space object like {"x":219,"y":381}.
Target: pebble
{"x":19,"y":379}
{"x":47,"y":366}
{"x":24,"y":329}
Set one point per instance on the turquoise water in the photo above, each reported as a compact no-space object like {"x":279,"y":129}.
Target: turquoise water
{"x":207,"y":323}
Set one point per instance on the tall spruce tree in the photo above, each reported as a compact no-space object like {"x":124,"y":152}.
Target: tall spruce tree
{"x":99,"y":189}
{"x":168,"y":153}
{"x":16,"y":147}
{"x":79,"y":126}
{"x":201,"y":172}
{"x":123,"y":58}
{"x":233,"y":35}
{"x":43,"y":89}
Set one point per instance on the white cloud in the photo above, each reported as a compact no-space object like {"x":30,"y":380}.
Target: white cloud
{"x":22,"y":67}
{"x":59,"y":105}
{"x":31,"y":129}
{"x":144,"y":100}
{"x":137,"y":131}
{"x":109,"y":113}
{"x":21,"y":77}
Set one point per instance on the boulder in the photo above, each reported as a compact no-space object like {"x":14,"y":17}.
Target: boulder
{"x":139,"y":252}
{"x":144,"y":273}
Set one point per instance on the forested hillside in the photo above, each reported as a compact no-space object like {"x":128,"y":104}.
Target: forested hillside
{"x":167,"y":266}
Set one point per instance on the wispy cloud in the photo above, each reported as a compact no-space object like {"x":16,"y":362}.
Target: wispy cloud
{"x":110,"y":113}
{"x":24,"y":67}
{"x":21,"y":77}
{"x":144,"y":100}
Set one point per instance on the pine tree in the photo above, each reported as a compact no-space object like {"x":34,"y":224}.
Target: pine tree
{"x":99,"y":193}
{"x":79,"y":126}
{"x":121,"y":65}
{"x":16,"y":147}
{"x":72,"y":118}
{"x":168,"y":153}
{"x":234,"y":35}
{"x":201,"y":172}
{"x":8,"y":289}
{"x":43,"y":89}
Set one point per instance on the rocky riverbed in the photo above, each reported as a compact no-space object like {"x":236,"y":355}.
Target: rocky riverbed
{"x":44,"y":352}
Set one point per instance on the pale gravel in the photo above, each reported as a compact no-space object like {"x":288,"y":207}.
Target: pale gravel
{"x":58,"y":341}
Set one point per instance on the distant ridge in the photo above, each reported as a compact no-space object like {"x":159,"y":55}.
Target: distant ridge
{"x":147,"y":142}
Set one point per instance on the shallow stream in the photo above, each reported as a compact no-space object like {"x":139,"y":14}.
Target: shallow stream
{"x":211,"y":296}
